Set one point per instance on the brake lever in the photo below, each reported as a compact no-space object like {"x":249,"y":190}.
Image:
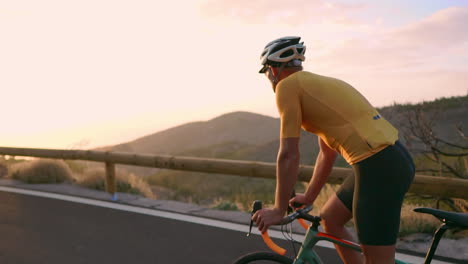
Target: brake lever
{"x":257,"y":205}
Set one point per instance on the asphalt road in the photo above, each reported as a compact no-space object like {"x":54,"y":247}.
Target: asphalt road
{"x":43,"y":230}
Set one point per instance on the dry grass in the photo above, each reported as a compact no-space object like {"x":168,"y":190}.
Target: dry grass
{"x":126,"y":182}
{"x":58,"y":171}
{"x":412,"y":222}
{"x":3,"y":167}
{"x":41,"y":171}
{"x":213,"y":189}
{"x":209,"y":189}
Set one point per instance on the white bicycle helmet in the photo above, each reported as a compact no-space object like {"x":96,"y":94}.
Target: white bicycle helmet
{"x":282,"y":50}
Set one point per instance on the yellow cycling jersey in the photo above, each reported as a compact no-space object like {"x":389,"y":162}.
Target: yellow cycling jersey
{"x":336,"y":112}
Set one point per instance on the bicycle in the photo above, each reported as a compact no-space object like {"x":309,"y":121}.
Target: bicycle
{"x":307,"y":255}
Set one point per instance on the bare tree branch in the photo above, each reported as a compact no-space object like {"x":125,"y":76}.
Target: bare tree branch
{"x":460,"y":131}
{"x":431,"y":170}
{"x":449,"y":154}
{"x":452,"y":170}
{"x":451,"y":144}
{"x":447,"y":166}
{"x":424,"y":141}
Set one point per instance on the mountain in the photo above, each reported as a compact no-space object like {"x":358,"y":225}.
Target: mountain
{"x":231,"y":130}
{"x":250,"y":136}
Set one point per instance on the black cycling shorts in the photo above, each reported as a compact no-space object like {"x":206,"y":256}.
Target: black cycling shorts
{"x":374,"y":194}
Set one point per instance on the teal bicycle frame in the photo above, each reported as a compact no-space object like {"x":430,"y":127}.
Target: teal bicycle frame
{"x":312,"y":237}
{"x":306,"y":254}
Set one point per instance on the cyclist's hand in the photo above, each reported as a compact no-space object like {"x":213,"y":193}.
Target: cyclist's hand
{"x":266,"y":217}
{"x":300,"y":198}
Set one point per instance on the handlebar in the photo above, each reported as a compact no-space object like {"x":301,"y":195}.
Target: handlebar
{"x":299,"y":214}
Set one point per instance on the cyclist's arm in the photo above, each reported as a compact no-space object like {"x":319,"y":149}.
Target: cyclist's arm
{"x":287,"y":167}
{"x":287,"y":163}
{"x":322,"y":169}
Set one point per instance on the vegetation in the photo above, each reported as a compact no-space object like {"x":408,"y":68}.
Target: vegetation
{"x":225,"y":205}
{"x":442,"y":103}
{"x":58,"y":171}
{"x":412,"y":222}
{"x":209,"y":189}
{"x":41,"y":171}
{"x":436,"y":154}
{"x":126,"y":182}
{"x":3,"y":167}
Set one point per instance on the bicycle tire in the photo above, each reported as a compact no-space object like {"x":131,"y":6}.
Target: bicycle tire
{"x":263,"y":258}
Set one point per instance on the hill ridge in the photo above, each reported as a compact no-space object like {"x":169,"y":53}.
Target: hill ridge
{"x":252,"y":136}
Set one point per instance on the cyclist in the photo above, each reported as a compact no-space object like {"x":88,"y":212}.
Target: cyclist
{"x":346,"y":124}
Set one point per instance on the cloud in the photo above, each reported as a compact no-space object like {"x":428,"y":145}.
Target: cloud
{"x":422,"y":60}
{"x":445,"y":28}
{"x":291,"y":12}
{"x":431,"y":42}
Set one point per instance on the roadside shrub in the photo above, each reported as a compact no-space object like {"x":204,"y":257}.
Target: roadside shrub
{"x":3,"y":167}
{"x":205,"y":188}
{"x":413,"y":222}
{"x":75,"y":166}
{"x":225,"y":205}
{"x":41,"y":171}
{"x":126,"y":183}
{"x":209,"y":189}
{"x":3,"y":170}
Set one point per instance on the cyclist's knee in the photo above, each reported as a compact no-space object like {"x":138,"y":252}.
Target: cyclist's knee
{"x":331,"y":224}
{"x":334,"y":215}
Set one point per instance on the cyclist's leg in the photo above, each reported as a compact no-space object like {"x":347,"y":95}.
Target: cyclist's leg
{"x":334,"y":216}
{"x":381,"y":183}
{"x":379,"y":254}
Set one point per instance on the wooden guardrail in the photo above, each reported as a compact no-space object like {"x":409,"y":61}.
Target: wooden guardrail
{"x":422,"y":184}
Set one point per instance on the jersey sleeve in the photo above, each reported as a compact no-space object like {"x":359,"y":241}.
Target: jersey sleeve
{"x":289,"y":108}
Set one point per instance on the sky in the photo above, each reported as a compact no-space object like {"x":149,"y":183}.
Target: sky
{"x":90,"y":73}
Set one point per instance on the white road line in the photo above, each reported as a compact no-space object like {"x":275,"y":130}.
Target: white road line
{"x":185,"y":218}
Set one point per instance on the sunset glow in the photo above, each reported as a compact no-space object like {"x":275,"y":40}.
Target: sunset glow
{"x":83,"y":74}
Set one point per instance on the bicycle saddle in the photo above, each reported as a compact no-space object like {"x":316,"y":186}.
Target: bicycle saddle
{"x":451,"y":218}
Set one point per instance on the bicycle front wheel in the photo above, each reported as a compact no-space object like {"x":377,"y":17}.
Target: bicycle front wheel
{"x":263,"y":258}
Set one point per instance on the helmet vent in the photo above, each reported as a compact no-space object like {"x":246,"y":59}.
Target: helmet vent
{"x":287,"y":54}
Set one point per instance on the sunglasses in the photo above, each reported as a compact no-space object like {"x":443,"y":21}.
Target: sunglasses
{"x":263,"y":69}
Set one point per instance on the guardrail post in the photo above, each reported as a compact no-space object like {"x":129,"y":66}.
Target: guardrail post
{"x":111,"y":183}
